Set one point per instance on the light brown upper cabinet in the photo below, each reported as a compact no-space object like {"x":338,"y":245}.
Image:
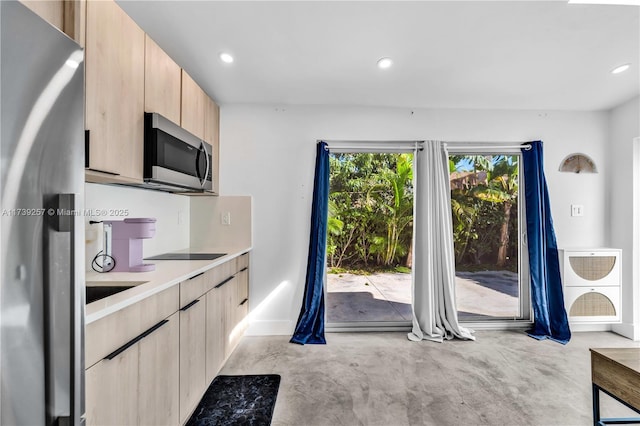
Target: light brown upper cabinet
{"x":211,"y":135}
{"x":51,"y":11}
{"x":161,"y":82}
{"x":193,"y":104}
{"x":114,"y":67}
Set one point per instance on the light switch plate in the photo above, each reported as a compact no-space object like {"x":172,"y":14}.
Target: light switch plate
{"x":225,"y":218}
{"x":577,"y":210}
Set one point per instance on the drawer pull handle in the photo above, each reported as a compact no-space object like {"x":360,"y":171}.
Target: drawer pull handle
{"x":135,"y":340}
{"x":244,"y":301}
{"x":196,"y":276}
{"x":225,"y":281}
{"x":189,"y":305}
{"x":245,"y":253}
{"x":243,"y":269}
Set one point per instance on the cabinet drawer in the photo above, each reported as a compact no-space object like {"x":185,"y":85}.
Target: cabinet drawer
{"x":591,"y":268}
{"x":192,"y":288}
{"x":221,"y":274}
{"x":243,"y":261}
{"x":592,"y":304}
{"x":107,"y":334}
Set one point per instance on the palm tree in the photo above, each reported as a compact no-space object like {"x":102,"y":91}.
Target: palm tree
{"x":502,"y":188}
{"x":398,"y":204}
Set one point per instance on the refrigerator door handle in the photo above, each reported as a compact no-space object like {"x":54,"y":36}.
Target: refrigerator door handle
{"x":66,"y":409}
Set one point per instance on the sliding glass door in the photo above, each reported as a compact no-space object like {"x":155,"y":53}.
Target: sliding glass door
{"x":487,"y":206}
{"x":369,"y":240}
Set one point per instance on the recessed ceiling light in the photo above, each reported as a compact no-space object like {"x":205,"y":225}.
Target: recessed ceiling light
{"x":226,"y":58}
{"x":621,"y":68}
{"x":384,"y":63}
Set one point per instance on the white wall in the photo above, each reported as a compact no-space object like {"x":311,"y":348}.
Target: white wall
{"x":171,"y":211}
{"x":624,"y":126}
{"x":207,"y":229}
{"x":269,"y":152}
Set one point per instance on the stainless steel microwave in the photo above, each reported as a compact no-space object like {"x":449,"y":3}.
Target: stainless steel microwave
{"x":174,"y":159}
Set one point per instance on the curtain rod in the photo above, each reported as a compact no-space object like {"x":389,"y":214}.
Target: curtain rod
{"x":346,"y":142}
{"x":374,"y":146}
{"x":364,"y":148}
{"x":487,"y":146}
{"x":408,"y":146}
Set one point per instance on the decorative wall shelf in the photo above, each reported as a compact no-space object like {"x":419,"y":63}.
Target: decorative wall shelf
{"x":578,"y":163}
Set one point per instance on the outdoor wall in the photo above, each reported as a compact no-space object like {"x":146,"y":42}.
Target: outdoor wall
{"x":624,"y":126}
{"x":268,"y":152}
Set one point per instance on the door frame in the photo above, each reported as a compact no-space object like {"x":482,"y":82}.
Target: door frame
{"x":524,"y":281}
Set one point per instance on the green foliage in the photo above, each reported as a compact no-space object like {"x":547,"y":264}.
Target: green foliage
{"x":370,"y":209}
{"x":482,"y":210}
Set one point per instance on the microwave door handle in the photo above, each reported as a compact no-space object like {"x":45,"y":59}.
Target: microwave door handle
{"x":206,"y":172}
{"x":198,"y":175}
{"x":198,"y":167}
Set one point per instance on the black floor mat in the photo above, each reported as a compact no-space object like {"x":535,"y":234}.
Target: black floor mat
{"x":237,"y":400}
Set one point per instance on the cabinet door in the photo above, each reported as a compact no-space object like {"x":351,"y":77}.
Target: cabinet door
{"x":74,"y":20}
{"x":158,"y":395}
{"x":161,"y":82}
{"x":51,"y":11}
{"x":192,"y":356}
{"x":114,"y":66}
{"x":231,"y":316}
{"x":192,"y":112}
{"x":216,"y":337}
{"x":212,"y":136}
{"x":112,"y":390}
{"x":239,"y":308}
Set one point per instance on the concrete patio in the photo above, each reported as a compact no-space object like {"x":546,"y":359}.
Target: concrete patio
{"x":387,"y":296}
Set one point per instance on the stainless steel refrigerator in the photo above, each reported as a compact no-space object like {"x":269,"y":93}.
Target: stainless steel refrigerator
{"x":42,"y":228}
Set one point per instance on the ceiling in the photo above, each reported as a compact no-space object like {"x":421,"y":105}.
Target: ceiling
{"x":447,"y":54}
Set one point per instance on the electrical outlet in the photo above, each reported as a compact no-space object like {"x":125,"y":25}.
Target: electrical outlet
{"x":577,"y":210}
{"x":225,"y":218}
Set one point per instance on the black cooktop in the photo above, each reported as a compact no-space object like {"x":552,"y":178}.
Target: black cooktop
{"x":187,"y":256}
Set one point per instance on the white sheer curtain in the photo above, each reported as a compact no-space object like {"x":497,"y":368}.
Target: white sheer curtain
{"x":435,"y":316}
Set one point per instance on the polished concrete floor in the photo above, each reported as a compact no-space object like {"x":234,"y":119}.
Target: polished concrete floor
{"x":503,"y":378}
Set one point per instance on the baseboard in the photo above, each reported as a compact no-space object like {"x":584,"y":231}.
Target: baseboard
{"x":628,"y":330}
{"x":283,"y":328}
{"x":269,"y":328}
{"x":577,"y":328}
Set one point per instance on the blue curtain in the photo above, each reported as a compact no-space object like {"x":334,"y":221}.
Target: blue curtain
{"x":310,"y":327}
{"x":549,"y":314}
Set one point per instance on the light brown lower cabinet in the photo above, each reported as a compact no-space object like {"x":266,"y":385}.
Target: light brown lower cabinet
{"x":158,"y":401}
{"x":138,"y":382}
{"x":233,"y":328}
{"x":158,"y":376}
{"x":215,"y":339}
{"x":227,"y":308}
{"x":243,"y":302}
{"x":192,"y":356}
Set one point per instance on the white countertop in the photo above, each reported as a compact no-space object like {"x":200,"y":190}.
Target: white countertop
{"x":167,"y":273}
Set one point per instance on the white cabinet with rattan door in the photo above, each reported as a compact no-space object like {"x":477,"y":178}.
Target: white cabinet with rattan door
{"x":591,"y":279}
